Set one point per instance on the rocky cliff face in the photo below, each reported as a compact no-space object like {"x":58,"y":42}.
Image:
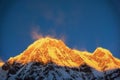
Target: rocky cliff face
{"x":51,"y":59}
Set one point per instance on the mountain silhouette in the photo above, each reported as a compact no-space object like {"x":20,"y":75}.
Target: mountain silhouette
{"x":50,"y":59}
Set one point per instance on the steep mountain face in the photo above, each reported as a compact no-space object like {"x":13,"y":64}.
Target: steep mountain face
{"x":51,"y":59}
{"x":49,"y":50}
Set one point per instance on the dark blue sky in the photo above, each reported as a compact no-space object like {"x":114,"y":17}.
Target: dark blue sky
{"x":85,"y":24}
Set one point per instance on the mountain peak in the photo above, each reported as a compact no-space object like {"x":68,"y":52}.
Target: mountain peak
{"x":105,"y":59}
{"x":101,"y":52}
{"x":50,"y":59}
{"x":48,"y":49}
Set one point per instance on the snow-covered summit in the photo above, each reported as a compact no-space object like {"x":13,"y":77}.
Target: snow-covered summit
{"x":51,"y":59}
{"x":47,"y":50}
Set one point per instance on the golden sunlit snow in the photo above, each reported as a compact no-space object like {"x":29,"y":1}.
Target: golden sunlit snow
{"x":48,"y":49}
{"x":1,"y":63}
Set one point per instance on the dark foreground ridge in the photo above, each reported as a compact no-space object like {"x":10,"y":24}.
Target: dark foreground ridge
{"x":51,"y":71}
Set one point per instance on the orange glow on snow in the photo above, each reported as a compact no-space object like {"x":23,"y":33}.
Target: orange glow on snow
{"x":1,"y":63}
{"x":52,"y":50}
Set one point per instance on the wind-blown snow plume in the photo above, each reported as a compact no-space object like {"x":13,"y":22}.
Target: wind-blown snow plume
{"x":35,"y":35}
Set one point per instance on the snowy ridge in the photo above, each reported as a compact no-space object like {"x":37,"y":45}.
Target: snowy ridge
{"x":47,"y":50}
{"x":51,"y":59}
